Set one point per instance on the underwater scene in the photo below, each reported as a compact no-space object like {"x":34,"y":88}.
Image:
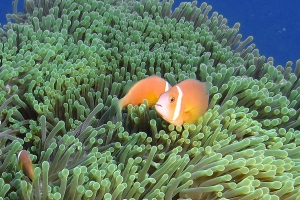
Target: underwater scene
{"x":143,"y":99}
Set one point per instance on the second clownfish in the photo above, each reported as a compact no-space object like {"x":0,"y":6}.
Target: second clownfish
{"x":26,"y":164}
{"x":184,"y":102}
{"x":149,"y":88}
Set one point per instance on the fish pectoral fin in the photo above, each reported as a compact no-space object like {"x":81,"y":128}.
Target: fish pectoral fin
{"x":187,"y":114}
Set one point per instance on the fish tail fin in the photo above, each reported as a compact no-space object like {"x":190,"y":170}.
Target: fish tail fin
{"x":105,"y":117}
{"x":114,"y":109}
{"x":31,"y":172}
{"x":119,"y":110}
{"x":207,"y":86}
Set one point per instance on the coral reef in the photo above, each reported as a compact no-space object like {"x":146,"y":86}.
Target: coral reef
{"x":63,"y":63}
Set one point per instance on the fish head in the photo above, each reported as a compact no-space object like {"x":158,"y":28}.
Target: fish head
{"x":168,"y":106}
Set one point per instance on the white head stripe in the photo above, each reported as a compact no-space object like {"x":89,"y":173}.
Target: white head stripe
{"x":178,"y":103}
{"x":19,"y":154}
{"x":167,"y":86}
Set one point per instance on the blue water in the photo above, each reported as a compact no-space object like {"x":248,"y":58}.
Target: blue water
{"x":274,"y":24}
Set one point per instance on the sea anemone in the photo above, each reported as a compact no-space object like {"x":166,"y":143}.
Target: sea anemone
{"x":63,"y":63}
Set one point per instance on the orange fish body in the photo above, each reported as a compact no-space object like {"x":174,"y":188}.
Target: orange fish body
{"x":149,"y":88}
{"x":26,"y":164}
{"x":184,"y":102}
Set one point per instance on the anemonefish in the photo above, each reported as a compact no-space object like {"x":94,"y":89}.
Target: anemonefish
{"x":184,"y":102}
{"x":149,"y":88}
{"x":25,"y":164}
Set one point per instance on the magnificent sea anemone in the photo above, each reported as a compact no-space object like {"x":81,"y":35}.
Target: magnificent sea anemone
{"x":64,"y":62}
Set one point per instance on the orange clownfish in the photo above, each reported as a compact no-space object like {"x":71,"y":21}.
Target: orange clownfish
{"x":184,"y":102}
{"x":25,"y":164}
{"x":149,"y":88}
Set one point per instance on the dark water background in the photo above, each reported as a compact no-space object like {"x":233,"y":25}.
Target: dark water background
{"x":275,"y":24}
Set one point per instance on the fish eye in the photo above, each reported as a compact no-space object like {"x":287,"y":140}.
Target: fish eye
{"x":172,"y":99}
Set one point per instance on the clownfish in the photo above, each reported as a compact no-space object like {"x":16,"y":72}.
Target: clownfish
{"x":25,"y":164}
{"x":149,"y":88}
{"x":184,"y":102}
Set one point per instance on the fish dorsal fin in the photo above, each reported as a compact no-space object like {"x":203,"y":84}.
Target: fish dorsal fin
{"x":128,"y":86}
{"x":207,"y":87}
